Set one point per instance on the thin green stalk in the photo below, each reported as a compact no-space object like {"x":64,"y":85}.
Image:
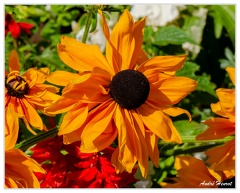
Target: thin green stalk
{"x":88,"y":24}
{"x":35,"y":139}
{"x":191,"y":139}
{"x":192,"y":145}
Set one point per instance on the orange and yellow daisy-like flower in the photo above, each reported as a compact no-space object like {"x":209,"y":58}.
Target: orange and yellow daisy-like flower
{"x":19,"y":168}
{"x":193,"y":173}
{"x":121,"y":95}
{"x":220,"y":127}
{"x":26,"y":93}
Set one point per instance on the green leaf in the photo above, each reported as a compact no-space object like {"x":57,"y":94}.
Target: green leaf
{"x":83,"y":20}
{"x":9,"y":9}
{"x":171,"y":35}
{"x":204,"y":83}
{"x":106,"y":15}
{"x":35,"y":12}
{"x":48,"y":29}
{"x":186,"y":128}
{"x":227,"y":15}
{"x":94,"y":22}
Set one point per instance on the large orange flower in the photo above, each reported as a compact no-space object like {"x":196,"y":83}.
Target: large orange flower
{"x":123,"y":95}
{"x":221,"y":127}
{"x":19,"y":168}
{"x":26,"y":93}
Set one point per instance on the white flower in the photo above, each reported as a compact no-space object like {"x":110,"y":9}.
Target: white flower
{"x":157,"y":15}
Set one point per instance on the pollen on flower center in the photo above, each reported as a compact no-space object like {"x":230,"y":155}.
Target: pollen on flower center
{"x":16,"y":85}
{"x":129,"y":88}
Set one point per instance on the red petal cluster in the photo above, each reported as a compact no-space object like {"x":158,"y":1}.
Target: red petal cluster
{"x":16,"y":28}
{"x":67,"y":167}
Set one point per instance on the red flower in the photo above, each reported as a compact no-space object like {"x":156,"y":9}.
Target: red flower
{"x":16,"y":28}
{"x":67,"y":167}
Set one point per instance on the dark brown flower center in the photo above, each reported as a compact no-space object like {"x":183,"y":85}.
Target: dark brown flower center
{"x":16,"y":85}
{"x":129,"y":88}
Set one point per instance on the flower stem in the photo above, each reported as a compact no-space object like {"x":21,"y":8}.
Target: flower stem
{"x":192,"y":145}
{"x":35,"y":139}
{"x":88,"y":24}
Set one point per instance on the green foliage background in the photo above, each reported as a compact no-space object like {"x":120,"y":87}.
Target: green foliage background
{"x":215,"y":40}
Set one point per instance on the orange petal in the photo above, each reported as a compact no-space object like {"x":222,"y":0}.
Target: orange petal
{"x":94,"y":89}
{"x":62,"y":78}
{"x":188,"y":166}
{"x":224,"y":158}
{"x":227,"y":102}
{"x":115,"y":161}
{"x":31,"y":76}
{"x":31,"y":115}
{"x":123,"y":41}
{"x":11,"y":127}
{"x":105,"y":139}
{"x":62,"y":105}
{"x":142,"y":57}
{"x":22,"y":170}
{"x":137,"y":30}
{"x":80,"y":56}
{"x":73,"y":119}
{"x":166,"y":64}
{"x":231,"y":72}
{"x":218,"y":129}
{"x":157,"y":122}
{"x":133,"y":143}
{"x":175,"y":89}
{"x":97,"y":122}
{"x":13,"y":61}
{"x":141,"y":144}
{"x":152,"y":145}
{"x":175,"y":111}
{"x":17,"y":104}
{"x":111,"y":52}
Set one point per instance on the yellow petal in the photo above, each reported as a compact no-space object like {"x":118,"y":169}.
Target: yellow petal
{"x":13,"y":61}
{"x":80,"y":56}
{"x":161,"y":125}
{"x":231,"y":72}
{"x":218,"y":129}
{"x":62,"y":78}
